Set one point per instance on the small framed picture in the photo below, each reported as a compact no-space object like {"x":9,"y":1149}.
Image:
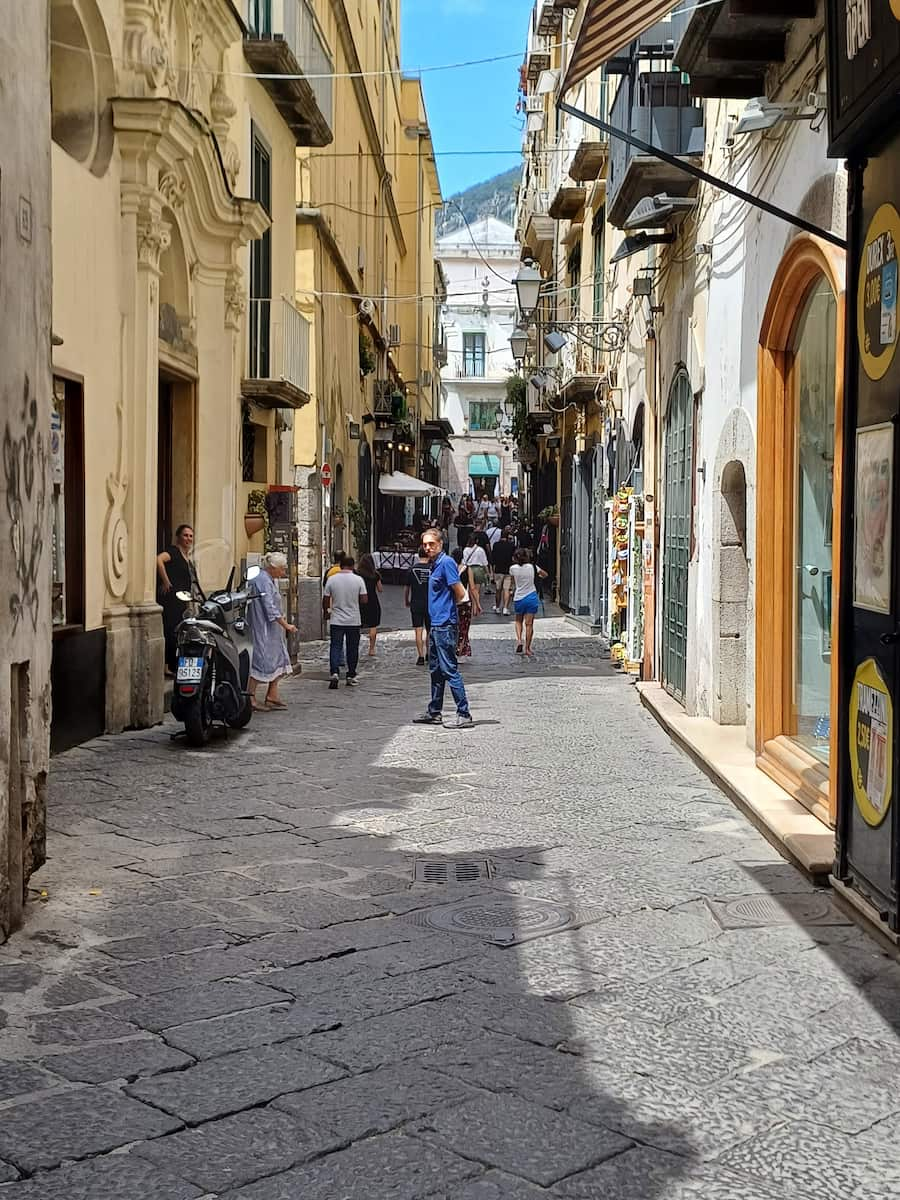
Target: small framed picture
{"x":873,"y":533}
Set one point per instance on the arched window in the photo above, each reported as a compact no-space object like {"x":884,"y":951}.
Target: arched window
{"x":81,"y":83}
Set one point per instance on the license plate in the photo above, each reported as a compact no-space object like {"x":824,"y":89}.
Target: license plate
{"x":190,"y":670}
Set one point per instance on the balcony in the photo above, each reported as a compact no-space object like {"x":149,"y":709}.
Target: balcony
{"x":657,"y":108}
{"x":584,"y":371}
{"x":277,"y":355}
{"x":567,"y":203}
{"x":538,"y":226}
{"x":537,"y":61}
{"x":727,"y":48}
{"x":549,"y":19}
{"x":284,"y":46}
{"x":590,"y":160}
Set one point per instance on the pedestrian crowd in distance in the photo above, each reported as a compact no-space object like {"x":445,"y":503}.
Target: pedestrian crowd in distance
{"x":443,"y":592}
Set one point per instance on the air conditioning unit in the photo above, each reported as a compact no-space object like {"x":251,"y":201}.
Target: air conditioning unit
{"x":534,"y":104}
{"x":426,"y":379}
{"x":361,"y":259}
{"x":393,"y":335}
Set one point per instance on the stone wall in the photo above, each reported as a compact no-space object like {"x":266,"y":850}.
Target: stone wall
{"x":25,"y":403}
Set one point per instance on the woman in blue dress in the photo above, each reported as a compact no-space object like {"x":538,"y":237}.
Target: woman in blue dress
{"x":270,"y":656}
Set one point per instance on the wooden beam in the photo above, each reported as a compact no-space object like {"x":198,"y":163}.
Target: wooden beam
{"x":759,"y":48}
{"x":727,"y":87}
{"x":789,"y":10}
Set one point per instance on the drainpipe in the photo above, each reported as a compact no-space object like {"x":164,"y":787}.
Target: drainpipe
{"x":651,"y":505}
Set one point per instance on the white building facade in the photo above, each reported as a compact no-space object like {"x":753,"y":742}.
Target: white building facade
{"x":479,"y":262}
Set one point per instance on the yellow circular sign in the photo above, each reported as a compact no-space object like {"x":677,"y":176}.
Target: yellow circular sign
{"x":871,"y":743}
{"x":876,"y":304}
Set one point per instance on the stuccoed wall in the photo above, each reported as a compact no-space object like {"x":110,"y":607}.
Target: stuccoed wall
{"x":25,"y":399}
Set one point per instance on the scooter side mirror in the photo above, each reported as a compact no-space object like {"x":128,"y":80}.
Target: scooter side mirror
{"x":184,"y":597}
{"x":252,"y":573}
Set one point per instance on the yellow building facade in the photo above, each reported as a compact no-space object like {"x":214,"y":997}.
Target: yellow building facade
{"x":365,"y":282}
{"x":182,"y":355}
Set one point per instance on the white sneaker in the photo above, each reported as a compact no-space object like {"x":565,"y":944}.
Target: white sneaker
{"x":496,"y":611}
{"x":506,"y":612}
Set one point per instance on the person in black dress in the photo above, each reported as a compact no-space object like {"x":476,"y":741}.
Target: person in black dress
{"x":370,"y":610}
{"x":176,"y":574}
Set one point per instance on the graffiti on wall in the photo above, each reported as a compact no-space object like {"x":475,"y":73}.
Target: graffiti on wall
{"x":25,"y":482}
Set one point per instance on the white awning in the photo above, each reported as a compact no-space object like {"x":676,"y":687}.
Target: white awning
{"x":399,"y":484}
{"x":607,"y":27}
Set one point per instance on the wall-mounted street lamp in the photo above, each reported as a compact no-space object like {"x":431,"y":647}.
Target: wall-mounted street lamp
{"x":528,"y":283}
{"x":518,"y":343}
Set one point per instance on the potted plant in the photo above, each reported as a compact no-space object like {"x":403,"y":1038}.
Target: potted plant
{"x":257,"y":515}
{"x":366,"y":354}
{"x":549,"y":515}
{"x":359,"y":524}
{"x":337,"y":516}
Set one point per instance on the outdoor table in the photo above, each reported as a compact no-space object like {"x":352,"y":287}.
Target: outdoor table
{"x":396,"y":561}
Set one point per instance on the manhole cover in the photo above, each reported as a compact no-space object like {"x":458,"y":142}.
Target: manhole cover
{"x":757,"y":912}
{"x":427,"y":870}
{"x":504,"y":921}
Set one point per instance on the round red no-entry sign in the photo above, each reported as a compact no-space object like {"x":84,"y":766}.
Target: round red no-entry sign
{"x":325,"y":475}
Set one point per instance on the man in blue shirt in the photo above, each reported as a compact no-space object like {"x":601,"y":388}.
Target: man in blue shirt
{"x":444,"y":593}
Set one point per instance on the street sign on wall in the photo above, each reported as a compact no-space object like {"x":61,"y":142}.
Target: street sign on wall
{"x":325,"y":475}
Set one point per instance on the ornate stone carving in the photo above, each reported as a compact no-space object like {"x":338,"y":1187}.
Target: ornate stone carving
{"x":173,"y":189}
{"x":147,"y":45}
{"x":154,"y":237}
{"x":235,"y":300}
{"x":115,"y":530}
{"x":223,"y":109}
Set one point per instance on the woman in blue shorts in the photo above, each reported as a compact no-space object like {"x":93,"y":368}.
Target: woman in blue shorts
{"x":525,"y":600}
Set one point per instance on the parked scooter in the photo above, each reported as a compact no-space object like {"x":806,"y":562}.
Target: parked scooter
{"x":213,"y":668}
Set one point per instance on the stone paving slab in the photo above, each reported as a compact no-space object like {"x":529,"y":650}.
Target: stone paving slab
{"x":522,"y":1138}
{"x":113,"y":1177}
{"x":117,"y":1060}
{"x":278,"y":899}
{"x":391,"y":1165}
{"x":76,"y":1124}
{"x":221,"y":1155}
{"x":377,"y":1102}
{"x":194,"y":1003}
{"x":233,"y":1082}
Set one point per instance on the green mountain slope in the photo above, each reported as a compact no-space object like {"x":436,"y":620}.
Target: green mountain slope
{"x":494,"y":198}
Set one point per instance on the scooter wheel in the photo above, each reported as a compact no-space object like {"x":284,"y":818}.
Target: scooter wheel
{"x":197,"y":720}
{"x":243,"y":717}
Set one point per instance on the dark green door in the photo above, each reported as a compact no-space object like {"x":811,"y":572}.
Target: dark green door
{"x":677,"y":534}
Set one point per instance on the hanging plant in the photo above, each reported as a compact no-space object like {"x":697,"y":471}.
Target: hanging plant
{"x":366,"y":354}
{"x":517,"y":407}
{"x":257,"y":509}
{"x":359,"y":524}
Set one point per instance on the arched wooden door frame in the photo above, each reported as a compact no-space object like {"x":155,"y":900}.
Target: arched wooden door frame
{"x":806,"y":260}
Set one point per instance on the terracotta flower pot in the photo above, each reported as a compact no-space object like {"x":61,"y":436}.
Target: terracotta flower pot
{"x":253,"y":523}
{"x":554,"y":520}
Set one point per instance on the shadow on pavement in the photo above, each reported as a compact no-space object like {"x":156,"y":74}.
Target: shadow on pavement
{"x":246,"y":973}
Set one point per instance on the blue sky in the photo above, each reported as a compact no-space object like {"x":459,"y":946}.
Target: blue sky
{"x":473,"y":108}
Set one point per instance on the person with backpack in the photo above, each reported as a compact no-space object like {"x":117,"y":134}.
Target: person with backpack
{"x":415,"y":597}
{"x":475,"y":558}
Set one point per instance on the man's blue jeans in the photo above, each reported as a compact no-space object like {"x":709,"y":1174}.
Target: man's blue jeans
{"x":444,"y":669}
{"x":336,"y":652}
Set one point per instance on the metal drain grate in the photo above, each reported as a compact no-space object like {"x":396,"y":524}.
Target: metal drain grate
{"x":505,"y":921}
{"x":435,"y":870}
{"x":760,"y":912}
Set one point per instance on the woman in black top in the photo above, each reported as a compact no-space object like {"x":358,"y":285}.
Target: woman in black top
{"x":370,"y":609}
{"x":176,"y":574}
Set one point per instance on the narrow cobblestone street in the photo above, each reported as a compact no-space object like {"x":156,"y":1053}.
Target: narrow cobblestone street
{"x":243,"y":978}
